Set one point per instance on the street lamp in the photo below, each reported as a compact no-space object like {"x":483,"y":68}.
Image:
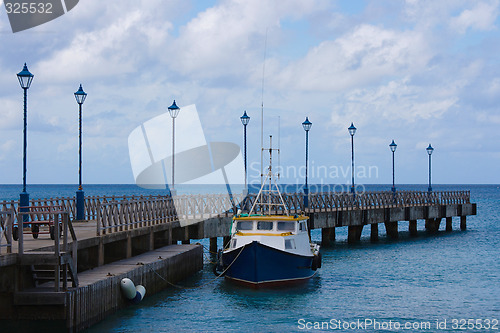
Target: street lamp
{"x":25,"y":78}
{"x":393,"y":147}
{"x":174,"y":111}
{"x":307,"y":126}
{"x":352,"y":131}
{"x":245,"y":119}
{"x":80,"y":96}
{"x":429,"y":152}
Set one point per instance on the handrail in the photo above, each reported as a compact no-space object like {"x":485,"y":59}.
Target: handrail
{"x":7,"y":218}
{"x":59,"y":216}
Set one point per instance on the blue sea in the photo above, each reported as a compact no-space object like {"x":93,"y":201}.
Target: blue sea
{"x":448,"y":282}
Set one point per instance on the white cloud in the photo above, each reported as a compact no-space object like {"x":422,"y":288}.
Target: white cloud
{"x":228,"y":39}
{"x":481,"y":17}
{"x":119,"y":48}
{"x":364,"y":56}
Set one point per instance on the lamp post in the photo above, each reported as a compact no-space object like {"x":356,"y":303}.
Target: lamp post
{"x":80,"y":97}
{"x":307,"y":126}
{"x":429,"y":152}
{"x":25,"y":78}
{"x":174,"y":111}
{"x":352,"y":131}
{"x":393,"y":147}
{"x":245,"y":119}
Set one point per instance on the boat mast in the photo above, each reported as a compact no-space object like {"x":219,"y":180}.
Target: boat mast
{"x":260,"y":199}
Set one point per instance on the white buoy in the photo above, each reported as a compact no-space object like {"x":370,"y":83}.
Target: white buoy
{"x":128,"y":288}
{"x":140,"y":291}
{"x":131,"y":292}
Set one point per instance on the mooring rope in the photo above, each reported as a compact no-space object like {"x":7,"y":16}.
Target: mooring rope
{"x":200,"y":286}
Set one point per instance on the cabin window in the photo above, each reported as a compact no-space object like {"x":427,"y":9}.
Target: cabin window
{"x":233,"y":243}
{"x":286,"y":226}
{"x":244,"y":225}
{"x":264,"y":225}
{"x":302,"y":226}
{"x":289,"y":244}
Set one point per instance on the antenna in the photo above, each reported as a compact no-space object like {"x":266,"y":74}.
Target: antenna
{"x":262,"y":116}
{"x":279,"y":146}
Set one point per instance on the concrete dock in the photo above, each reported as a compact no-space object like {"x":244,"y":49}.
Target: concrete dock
{"x":98,"y":294}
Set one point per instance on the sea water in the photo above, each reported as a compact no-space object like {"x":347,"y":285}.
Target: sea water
{"x":448,"y":282}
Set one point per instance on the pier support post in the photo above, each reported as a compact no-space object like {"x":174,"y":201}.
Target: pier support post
{"x":354,"y":233}
{"x":391,"y":229}
{"x":449,"y":224}
{"x":225,"y":241}
{"x":463,"y":223}
{"x":327,"y":236}
{"x":432,"y":225}
{"x":413,"y":228}
{"x":213,"y":245}
{"x":374,"y":232}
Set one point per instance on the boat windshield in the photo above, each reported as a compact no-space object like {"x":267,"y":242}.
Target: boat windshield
{"x":244,"y":225}
{"x":265,"y":225}
{"x":286,"y":226}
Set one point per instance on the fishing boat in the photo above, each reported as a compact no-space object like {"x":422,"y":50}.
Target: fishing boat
{"x":268,"y":246}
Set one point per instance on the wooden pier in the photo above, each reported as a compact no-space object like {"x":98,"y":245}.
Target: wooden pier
{"x":124,"y":231}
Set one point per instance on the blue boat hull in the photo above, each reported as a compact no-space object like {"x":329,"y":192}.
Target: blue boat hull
{"x":257,"y":264}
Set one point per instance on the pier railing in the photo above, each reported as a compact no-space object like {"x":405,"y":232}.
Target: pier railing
{"x":118,"y":213}
{"x":7,"y":218}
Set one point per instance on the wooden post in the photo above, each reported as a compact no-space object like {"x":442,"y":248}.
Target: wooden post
{"x":413,"y":228}
{"x":374,"y":232}
{"x":391,"y":229}
{"x":432,"y":225}
{"x":448,"y":223}
{"x":437,"y":223}
{"x":327,"y":236}
{"x":463,"y":223}
{"x":213,"y":245}
{"x":354,"y":233}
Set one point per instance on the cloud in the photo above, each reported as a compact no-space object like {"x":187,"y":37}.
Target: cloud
{"x":482,"y":17}
{"x":364,"y":56}
{"x":227,"y":40}
{"x":122,"y":47}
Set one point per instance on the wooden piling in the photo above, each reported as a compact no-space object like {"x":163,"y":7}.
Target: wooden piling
{"x":413,"y":228}
{"x":327,"y":236}
{"x":463,"y":223}
{"x":374,"y":232}
{"x":213,"y":245}
{"x":391,"y":229}
{"x":354,"y":233}
{"x":449,"y":226}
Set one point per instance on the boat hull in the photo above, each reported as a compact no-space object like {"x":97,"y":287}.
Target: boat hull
{"x":256,"y":264}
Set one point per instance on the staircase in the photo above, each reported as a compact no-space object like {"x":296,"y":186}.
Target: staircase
{"x":50,"y":269}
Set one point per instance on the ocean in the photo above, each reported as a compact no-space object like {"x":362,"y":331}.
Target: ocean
{"x":446,"y":282}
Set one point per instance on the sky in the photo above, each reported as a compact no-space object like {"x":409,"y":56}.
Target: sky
{"x":418,"y":72}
